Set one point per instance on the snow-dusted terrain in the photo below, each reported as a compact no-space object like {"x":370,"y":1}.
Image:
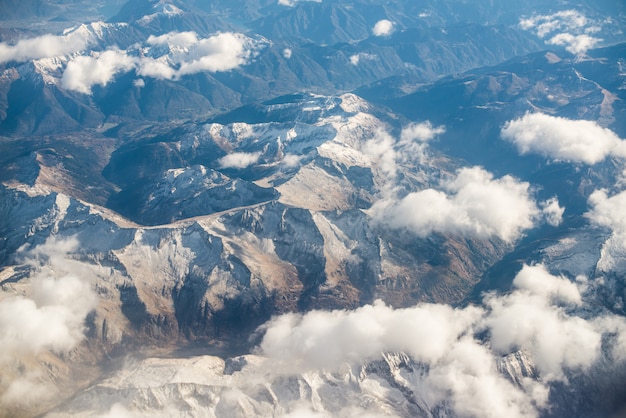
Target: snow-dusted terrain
{"x":295,"y":208}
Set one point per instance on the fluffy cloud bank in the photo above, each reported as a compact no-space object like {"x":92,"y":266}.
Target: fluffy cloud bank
{"x":568,"y":28}
{"x":536,"y":319}
{"x":42,"y":47}
{"x":472,"y":203}
{"x":51,"y":317}
{"x":184,"y":54}
{"x":83,"y":72}
{"x":383,"y":27}
{"x":563,"y":139}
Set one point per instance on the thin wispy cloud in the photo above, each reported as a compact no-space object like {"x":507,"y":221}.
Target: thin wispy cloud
{"x":568,"y":28}
{"x":355,"y":59}
{"x":422,"y":132}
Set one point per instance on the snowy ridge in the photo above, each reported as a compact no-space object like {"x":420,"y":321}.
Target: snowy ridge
{"x":161,"y":8}
{"x":210,"y":387}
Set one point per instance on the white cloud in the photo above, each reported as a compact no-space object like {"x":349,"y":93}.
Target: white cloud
{"x":568,"y":28}
{"x":50,"y":318}
{"x":287,"y":53}
{"x":159,"y":68}
{"x":139,"y":83}
{"x":328,"y":339}
{"x":380,"y":149}
{"x":174,"y":39}
{"x":83,"y":72}
{"x":184,"y":54}
{"x":552,"y":211}
{"x":576,"y":44}
{"x":412,"y":145}
{"x":473,"y":203}
{"x":291,"y":160}
{"x":239,"y":159}
{"x":118,"y":410}
{"x":422,"y":132}
{"x":460,"y":367}
{"x":608,"y":212}
{"x":356,"y":58}
{"x":291,"y":3}
{"x":563,"y":139}
{"x":221,"y":52}
{"x":467,"y":379}
{"x":42,"y":47}
{"x":25,"y":390}
{"x":539,"y":282}
{"x":383,"y":27}
{"x":413,"y":141}
{"x":531,"y":318}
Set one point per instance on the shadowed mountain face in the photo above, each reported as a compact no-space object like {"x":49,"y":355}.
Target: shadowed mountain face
{"x":285,"y":208}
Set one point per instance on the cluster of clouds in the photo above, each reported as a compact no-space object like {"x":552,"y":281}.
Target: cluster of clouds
{"x":185,"y":54}
{"x":169,"y":56}
{"x":563,"y":139}
{"x":469,"y":203}
{"x":568,"y":28}
{"x":578,"y":141}
{"x":50,"y":318}
{"x":472,"y":203}
{"x":537,"y":318}
{"x":388,"y":152}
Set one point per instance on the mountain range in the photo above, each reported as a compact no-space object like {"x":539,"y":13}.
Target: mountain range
{"x":312,"y":208}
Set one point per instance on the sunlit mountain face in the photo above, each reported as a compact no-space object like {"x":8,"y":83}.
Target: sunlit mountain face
{"x":290,"y":208}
